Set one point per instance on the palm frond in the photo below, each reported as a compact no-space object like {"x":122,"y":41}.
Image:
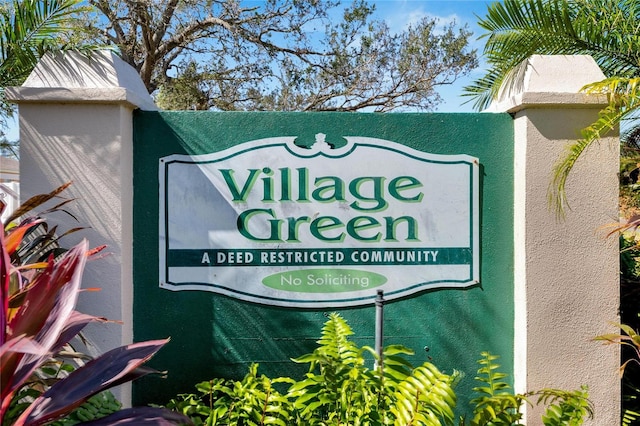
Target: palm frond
{"x":30,"y":28}
{"x":496,"y":84}
{"x":624,"y":101}
{"x":517,"y":29}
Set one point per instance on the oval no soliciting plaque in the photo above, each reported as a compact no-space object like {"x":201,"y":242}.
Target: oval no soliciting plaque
{"x":271,"y":222}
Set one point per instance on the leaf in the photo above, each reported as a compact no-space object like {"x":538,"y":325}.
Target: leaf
{"x":604,"y":29}
{"x":4,"y":289}
{"x":42,"y":317}
{"x":43,"y":304}
{"x":307,"y":358}
{"x":23,"y":345}
{"x":76,"y":322}
{"x":111,"y":369}
{"x":141,"y":416}
{"x":94,"y":251}
{"x":14,"y":239}
{"x":36,"y":201}
{"x":397,"y":349}
{"x":394,"y":373}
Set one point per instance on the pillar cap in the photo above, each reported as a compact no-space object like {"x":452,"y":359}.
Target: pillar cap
{"x":70,"y":77}
{"x":544,"y":81}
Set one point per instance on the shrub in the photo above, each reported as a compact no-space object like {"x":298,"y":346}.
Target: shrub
{"x":497,"y":404}
{"x":339,"y":389}
{"x":38,"y":318}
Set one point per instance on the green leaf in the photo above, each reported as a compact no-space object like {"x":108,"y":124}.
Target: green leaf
{"x":395,"y":350}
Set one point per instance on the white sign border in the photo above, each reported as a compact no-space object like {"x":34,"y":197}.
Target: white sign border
{"x":321,"y":150}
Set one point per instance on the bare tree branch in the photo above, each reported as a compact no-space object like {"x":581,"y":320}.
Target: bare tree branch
{"x":285,"y":54}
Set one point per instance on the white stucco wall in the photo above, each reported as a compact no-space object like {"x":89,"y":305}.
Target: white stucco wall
{"x":566,"y":272}
{"x":76,"y":125}
{"x":85,"y":144}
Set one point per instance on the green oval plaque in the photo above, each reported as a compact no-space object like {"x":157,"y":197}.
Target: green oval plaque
{"x":324,"y":280}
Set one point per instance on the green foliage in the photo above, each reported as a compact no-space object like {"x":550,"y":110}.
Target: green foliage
{"x":629,"y":184}
{"x":629,"y":265}
{"x":629,"y":338}
{"x":7,"y":148}
{"x":185,"y":92}
{"x":630,"y":389}
{"x":338,"y":387}
{"x":496,"y":404}
{"x":629,"y":276}
{"x":565,"y":408}
{"x":96,"y":407}
{"x":624,"y":100}
{"x":28,"y":29}
{"x":338,"y":390}
{"x":630,"y":416}
{"x":250,"y":401}
{"x":517,"y":29}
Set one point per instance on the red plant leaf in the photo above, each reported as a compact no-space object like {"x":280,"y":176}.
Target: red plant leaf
{"x":77,"y":321}
{"x":36,"y":201}
{"x":52,"y":293}
{"x":46,"y":309}
{"x":96,"y":250}
{"x":4,"y":289}
{"x":142,"y":416}
{"x":14,"y":238}
{"x":21,"y":344}
{"x":117,"y":366}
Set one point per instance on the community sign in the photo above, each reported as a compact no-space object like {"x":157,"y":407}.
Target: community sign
{"x":323,"y":225}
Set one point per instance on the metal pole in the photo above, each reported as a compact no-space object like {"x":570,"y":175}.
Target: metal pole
{"x":379,"y":330}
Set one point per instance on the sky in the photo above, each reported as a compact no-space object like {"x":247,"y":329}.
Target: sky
{"x":399,"y":14}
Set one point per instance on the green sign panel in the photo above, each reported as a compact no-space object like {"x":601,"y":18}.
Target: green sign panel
{"x":315,"y":226}
{"x":321,"y":230}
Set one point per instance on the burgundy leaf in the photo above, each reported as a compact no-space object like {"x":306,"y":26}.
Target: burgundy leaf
{"x":4,"y":288}
{"x":48,"y":305}
{"x":45,"y":296}
{"x":142,"y":416}
{"x":138,"y":372}
{"x":22,"y":345}
{"x":114,"y":367}
{"x":8,"y":360}
{"x":77,"y":321}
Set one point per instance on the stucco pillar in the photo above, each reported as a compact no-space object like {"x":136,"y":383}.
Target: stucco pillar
{"x":566,"y":271}
{"x":76,"y":125}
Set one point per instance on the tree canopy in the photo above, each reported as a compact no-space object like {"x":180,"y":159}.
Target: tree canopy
{"x":281,"y":54}
{"x":608,"y":30}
